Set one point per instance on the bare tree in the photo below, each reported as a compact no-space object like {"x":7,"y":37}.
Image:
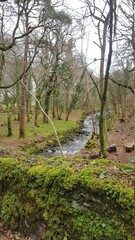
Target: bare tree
{"x":104,"y":20}
{"x":24,"y":79}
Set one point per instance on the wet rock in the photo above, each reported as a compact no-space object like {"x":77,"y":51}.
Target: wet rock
{"x":33,"y":230}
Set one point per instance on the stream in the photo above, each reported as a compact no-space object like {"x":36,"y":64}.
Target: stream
{"x":77,"y":142}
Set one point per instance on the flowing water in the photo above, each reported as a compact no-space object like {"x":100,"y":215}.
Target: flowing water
{"x":77,"y":142}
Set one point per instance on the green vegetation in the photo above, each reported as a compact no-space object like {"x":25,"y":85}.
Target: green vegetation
{"x":75,"y":199}
{"x":64,"y":129}
{"x":44,"y":129}
{"x":37,"y":138}
{"x":93,"y":142}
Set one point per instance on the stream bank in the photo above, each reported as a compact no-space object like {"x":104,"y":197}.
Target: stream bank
{"x":76,"y":141}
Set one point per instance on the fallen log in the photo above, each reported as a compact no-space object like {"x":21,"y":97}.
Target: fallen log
{"x":94,"y":156}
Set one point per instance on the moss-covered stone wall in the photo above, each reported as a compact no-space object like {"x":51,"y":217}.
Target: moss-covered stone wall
{"x":56,"y":199}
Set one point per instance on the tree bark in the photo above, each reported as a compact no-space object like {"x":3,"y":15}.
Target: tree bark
{"x":28,"y":98}
{"x":8,"y":115}
{"x":9,"y":125}
{"x":129,"y":147}
{"x":102,"y":128}
{"x":36,"y":110}
{"x":47,"y":104}
{"x":102,"y":62}
{"x":23,"y":89}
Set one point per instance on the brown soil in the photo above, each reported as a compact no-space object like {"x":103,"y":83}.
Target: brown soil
{"x":9,"y":235}
{"x":121,"y":134}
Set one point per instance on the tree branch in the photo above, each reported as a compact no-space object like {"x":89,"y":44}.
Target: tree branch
{"x":28,"y":67}
{"x":40,"y":106}
{"x":96,"y":86}
{"x":123,"y":85}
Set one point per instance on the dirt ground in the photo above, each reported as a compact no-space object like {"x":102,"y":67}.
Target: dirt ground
{"x":9,"y":235}
{"x":121,"y":134}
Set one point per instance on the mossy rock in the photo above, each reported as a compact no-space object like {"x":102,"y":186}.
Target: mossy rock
{"x":72,"y":199}
{"x":93,"y":143}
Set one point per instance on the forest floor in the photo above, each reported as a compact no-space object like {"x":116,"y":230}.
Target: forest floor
{"x":9,"y":235}
{"x":120,"y":134}
{"x":34,"y":133}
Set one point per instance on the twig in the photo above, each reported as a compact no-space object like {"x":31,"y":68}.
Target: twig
{"x":54,"y":128}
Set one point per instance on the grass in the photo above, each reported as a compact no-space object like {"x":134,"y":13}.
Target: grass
{"x":43,"y":129}
{"x":47,"y":129}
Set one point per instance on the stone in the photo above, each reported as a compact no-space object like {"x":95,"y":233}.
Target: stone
{"x":112,"y":148}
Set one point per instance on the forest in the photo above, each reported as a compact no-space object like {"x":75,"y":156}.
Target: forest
{"x":67,"y":113}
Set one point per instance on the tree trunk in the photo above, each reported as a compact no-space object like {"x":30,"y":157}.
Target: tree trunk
{"x":8,"y":114}
{"x":102,"y":124}
{"x":23,"y":89}
{"x":27,"y":107}
{"x":53,"y":105}
{"x":9,"y":125}
{"x":18,"y":101}
{"x":129,"y":147}
{"x":23,"y":109}
{"x":102,"y":129}
{"x":67,"y":100}
{"x":102,"y":62}
{"x":67,"y":117}
{"x":36,"y":114}
{"x":47,"y":104}
{"x":28,"y":99}
{"x":93,"y":121}
{"x":36,"y":111}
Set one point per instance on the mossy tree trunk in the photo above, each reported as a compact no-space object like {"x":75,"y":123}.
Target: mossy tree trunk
{"x":102,"y":123}
{"x":8,"y":106}
{"x":51,"y":85}
{"x":47,"y":104}
{"x":54,"y":99}
{"x":102,"y":130}
{"x":105,"y":27}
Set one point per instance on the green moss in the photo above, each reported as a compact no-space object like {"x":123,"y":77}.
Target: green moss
{"x":92,"y":143}
{"x":76,"y":199}
{"x":10,"y":210}
{"x":31,"y":149}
